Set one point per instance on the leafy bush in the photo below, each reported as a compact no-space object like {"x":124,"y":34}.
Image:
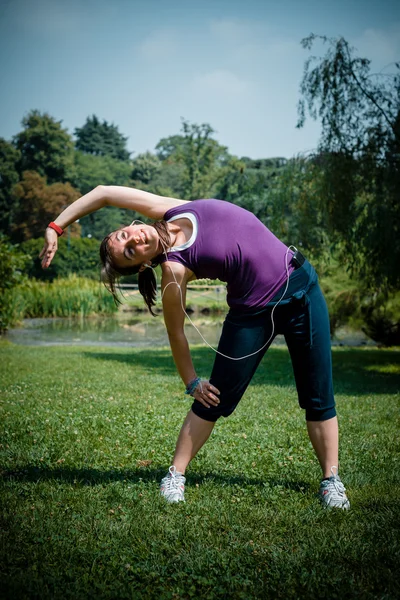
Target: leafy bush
{"x":77,"y":255}
{"x":382,"y":319}
{"x":343,"y":297}
{"x":377,"y":315}
{"x":12,"y":263}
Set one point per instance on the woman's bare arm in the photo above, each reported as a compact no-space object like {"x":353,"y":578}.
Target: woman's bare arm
{"x":174,"y":318}
{"x":145,"y":203}
{"x":148,"y":205}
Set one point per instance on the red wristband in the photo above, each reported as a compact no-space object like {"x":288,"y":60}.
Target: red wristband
{"x":56,"y":228}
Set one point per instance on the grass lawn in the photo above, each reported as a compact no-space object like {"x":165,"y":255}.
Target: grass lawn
{"x":87,"y":433}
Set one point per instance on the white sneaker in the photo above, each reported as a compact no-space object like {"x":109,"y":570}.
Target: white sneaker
{"x":173,"y":486}
{"x":333,"y":493}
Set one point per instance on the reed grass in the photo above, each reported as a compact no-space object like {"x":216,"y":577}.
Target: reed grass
{"x":69,"y":297}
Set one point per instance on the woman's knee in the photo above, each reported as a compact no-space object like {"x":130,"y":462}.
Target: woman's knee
{"x":226,"y":406}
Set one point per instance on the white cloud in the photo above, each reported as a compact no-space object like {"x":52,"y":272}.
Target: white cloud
{"x":381,"y":46}
{"x":159,"y":45}
{"x":234,"y":31}
{"x":219,"y":82}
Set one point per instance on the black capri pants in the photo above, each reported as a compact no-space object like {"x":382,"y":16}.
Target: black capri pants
{"x":302,"y":317}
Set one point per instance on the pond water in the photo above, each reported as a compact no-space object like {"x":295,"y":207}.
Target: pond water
{"x":133,"y":330}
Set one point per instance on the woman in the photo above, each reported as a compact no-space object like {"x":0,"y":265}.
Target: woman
{"x":270,"y":290}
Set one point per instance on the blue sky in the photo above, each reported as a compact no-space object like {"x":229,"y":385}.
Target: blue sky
{"x":145,"y":64}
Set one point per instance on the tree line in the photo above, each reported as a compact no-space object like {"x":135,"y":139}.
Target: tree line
{"x":339,"y":204}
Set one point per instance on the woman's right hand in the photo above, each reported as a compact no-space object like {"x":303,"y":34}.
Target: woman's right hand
{"x":49,"y":248}
{"x":206,"y":394}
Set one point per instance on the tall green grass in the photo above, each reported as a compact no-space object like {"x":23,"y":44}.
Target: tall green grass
{"x":69,"y":297}
{"x":211,"y":300}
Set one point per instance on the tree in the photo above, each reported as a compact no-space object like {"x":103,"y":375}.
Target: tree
{"x":77,"y":255}
{"x":204,"y":159}
{"x":9,"y":176}
{"x":38,"y":203}
{"x":12,"y":264}
{"x":168,"y":146}
{"x":145,"y":167}
{"x":297,"y":209}
{"x":91,"y":171}
{"x":45,"y":147}
{"x":250,"y":184}
{"x":163,"y":177}
{"x":359,"y":154}
{"x":168,"y":181}
{"x":205,"y":162}
{"x":101,"y":139}
{"x":358,"y":109}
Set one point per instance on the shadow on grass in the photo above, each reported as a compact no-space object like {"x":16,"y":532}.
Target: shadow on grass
{"x":356,"y":371}
{"x":93,"y":477}
{"x":151,"y":360}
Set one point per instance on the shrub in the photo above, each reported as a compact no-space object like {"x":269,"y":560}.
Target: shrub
{"x":77,"y":255}
{"x":382,"y":319}
{"x":12,"y":263}
{"x":343,"y":298}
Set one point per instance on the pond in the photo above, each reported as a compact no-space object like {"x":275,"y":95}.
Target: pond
{"x":135,"y":330}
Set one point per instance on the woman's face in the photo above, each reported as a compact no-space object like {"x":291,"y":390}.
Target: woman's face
{"x":134,"y":245}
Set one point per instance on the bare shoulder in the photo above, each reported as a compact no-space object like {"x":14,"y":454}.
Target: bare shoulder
{"x":174,"y":280}
{"x":175,"y":201}
{"x":161,"y":204}
{"x":168,"y":203}
{"x":174,"y":271}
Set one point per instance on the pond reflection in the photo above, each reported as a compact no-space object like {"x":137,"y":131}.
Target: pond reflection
{"x":135,"y":331}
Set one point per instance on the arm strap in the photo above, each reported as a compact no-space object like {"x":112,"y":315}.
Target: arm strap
{"x":56,"y":228}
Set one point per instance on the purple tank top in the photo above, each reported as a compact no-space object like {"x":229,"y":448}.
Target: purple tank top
{"x":234,"y":246}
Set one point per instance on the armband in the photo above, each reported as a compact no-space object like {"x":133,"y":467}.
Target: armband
{"x":192,"y":385}
{"x":56,"y":228}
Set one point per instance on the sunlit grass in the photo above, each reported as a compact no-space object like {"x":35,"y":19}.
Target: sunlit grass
{"x":87,"y":433}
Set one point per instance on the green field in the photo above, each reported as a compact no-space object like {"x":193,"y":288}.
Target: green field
{"x":87,"y":433}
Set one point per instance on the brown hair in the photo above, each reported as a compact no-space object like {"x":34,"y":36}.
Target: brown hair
{"x":110,"y":273}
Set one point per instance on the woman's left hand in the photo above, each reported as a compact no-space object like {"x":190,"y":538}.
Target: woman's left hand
{"x":49,"y":248}
{"x":206,"y":394}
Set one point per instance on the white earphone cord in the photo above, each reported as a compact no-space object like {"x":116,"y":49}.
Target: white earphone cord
{"x":272,"y":313}
{"x":196,"y":328}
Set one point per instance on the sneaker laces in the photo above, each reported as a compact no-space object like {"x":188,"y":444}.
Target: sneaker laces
{"x":335,"y":486}
{"x":173,"y":480}
{"x":338,"y":486}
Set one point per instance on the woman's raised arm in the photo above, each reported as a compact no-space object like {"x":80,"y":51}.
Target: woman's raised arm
{"x":145,"y":203}
{"x":89,"y":203}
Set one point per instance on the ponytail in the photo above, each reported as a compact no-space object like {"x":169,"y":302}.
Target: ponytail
{"x":148,"y":288}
